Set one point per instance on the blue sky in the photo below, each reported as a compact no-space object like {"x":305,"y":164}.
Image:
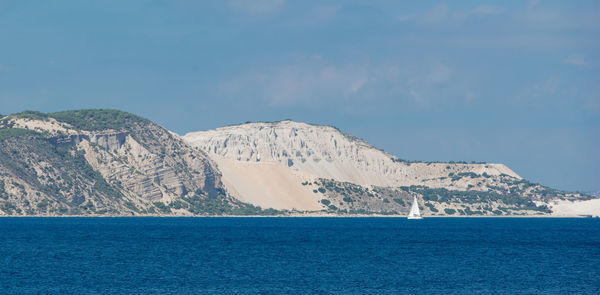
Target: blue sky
{"x":513,"y":82}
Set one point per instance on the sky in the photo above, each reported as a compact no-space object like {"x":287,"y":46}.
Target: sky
{"x":511,"y":82}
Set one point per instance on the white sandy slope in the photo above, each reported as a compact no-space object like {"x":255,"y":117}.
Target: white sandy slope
{"x":265,"y":163}
{"x":326,"y":152}
{"x":269,"y":185}
{"x":567,"y":208}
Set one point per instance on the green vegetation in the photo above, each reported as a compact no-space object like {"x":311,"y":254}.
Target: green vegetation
{"x":449,"y":211}
{"x":460,"y":175}
{"x":98,"y":119}
{"x":33,"y":115}
{"x":90,"y":207}
{"x":15,"y":132}
{"x":8,"y":208}
{"x":178,"y":204}
{"x":3,"y":194}
{"x":325,"y":202}
{"x":442,"y":195}
{"x":220,"y":205}
{"x":431,"y":207}
{"x":468,"y":211}
{"x":400,"y":201}
{"x":200,"y":205}
{"x":162,"y":208}
{"x":43,"y":204}
{"x":345,"y":189}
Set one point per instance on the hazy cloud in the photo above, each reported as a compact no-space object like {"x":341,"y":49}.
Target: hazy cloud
{"x":576,"y":60}
{"x":438,"y":14}
{"x":315,"y":82}
{"x":487,"y":9}
{"x":439,"y":73}
{"x":256,"y":7}
{"x":441,"y":13}
{"x":479,"y":11}
{"x":539,"y":92}
{"x":532,"y":3}
{"x":300,"y":83}
{"x":326,"y":12}
{"x":593,"y":104}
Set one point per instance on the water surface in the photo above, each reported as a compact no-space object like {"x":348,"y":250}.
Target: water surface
{"x":299,"y":255}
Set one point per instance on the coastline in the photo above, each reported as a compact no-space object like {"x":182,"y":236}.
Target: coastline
{"x":293,"y":216}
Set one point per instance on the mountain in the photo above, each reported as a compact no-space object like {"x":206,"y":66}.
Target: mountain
{"x":292,"y":165}
{"x":104,"y":162}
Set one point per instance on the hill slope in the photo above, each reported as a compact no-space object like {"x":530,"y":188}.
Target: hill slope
{"x":326,"y":152}
{"x":108,"y":162}
{"x":348,"y":175}
{"x":104,"y":162}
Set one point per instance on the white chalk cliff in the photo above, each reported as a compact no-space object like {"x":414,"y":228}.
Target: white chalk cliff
{"x":316,"y":151}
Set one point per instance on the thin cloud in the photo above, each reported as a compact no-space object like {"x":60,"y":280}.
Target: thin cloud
{"x":438,"y":14}
{"x":300,"y":84}
{"x":593,"y":104}
{"x":576,"y":60}
{"x":256,"y":7}
{"x":326,"y":12}
{"x":532,"y":3}
{"x":441,"y":13}
{"x":439,"y":73}
{"x":315,"y":82}
{"x":538,"y":92}
{"x":487,"y":9}
{"x":479,"y":11}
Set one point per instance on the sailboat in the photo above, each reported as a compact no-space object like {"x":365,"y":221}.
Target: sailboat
{"x":414,"y":211}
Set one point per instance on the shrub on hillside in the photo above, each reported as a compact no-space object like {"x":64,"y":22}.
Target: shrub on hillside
{"x":449,"y":211}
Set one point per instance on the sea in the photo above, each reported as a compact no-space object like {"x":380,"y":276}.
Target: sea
{"x":278,"y":255}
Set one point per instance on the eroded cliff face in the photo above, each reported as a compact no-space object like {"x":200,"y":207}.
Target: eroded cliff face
{"x":325,"y":152}
{"x":138,"y":170}
{"x":348,"y":175}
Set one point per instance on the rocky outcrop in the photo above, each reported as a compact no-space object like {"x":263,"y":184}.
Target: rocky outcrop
{"x":135,"y":167}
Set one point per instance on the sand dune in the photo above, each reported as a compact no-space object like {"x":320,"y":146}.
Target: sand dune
{"x":567,"y":208}
{"x":268,"y":185}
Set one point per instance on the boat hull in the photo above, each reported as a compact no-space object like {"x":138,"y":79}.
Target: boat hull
{"x":414,"y":217}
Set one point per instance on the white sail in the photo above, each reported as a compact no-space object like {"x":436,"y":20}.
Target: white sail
{"x":414,"y":210}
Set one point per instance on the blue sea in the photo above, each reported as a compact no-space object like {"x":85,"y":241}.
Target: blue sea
{"x":299,"y":256}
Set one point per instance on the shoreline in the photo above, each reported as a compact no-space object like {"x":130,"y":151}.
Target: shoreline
{"x":293,"y":216}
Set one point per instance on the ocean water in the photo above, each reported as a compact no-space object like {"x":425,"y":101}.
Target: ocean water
{"x":299,"y":256}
